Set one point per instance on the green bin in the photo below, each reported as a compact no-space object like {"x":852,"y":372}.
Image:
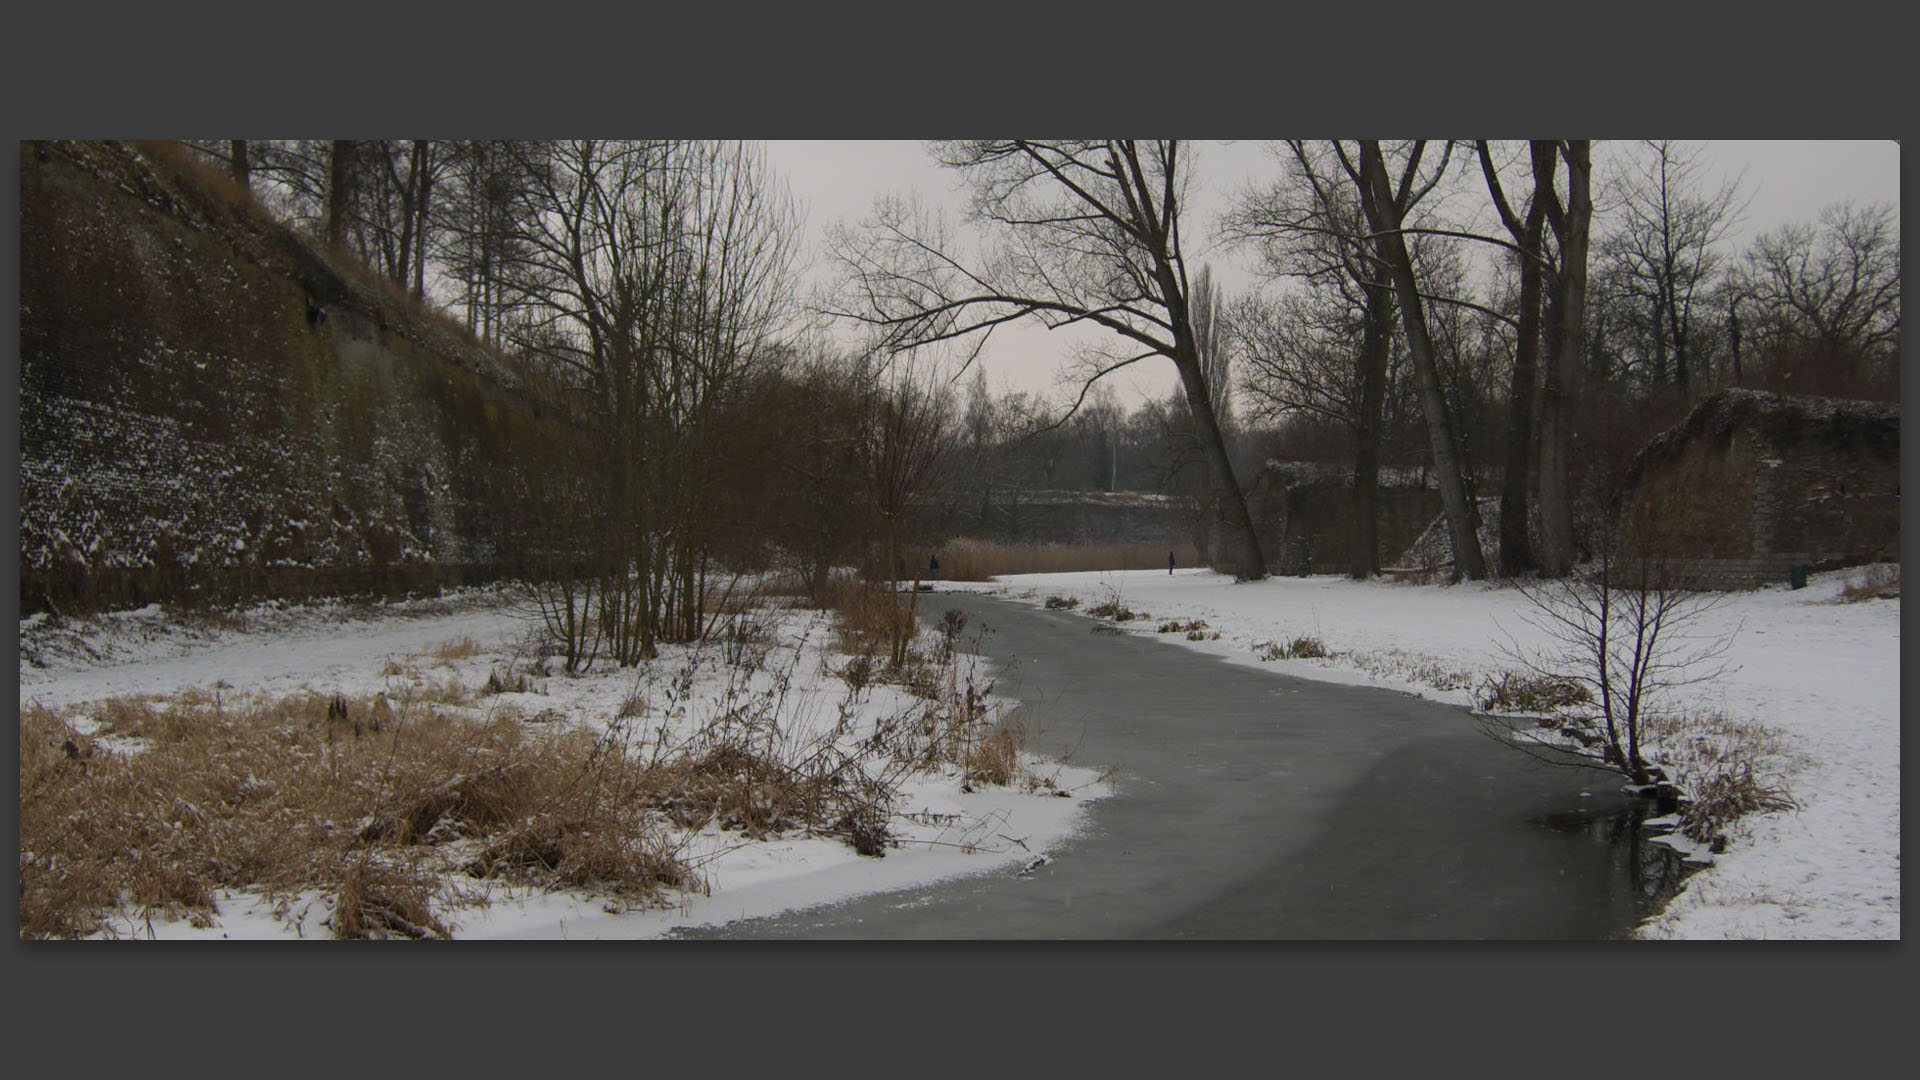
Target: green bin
{"x":1797,"y":575}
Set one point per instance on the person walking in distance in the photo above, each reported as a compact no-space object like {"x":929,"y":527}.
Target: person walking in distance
{"x":1169,"y":564}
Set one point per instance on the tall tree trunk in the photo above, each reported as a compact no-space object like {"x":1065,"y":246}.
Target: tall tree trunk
{"x":1516,"y":547}
{"x":1733,"y":333}
{"x":1243,"y":558}
{"x":1682,"y":377}
{"x":1559,"y":395}
{"x":237,"y":162}
{"x":339,"y":192}
{"x":422,"y":208}
{"x":1375,"y":343}
{"x":1660,"y":370}
{"x":419,"y":191}
{"x":1383,"y":217}
{"x":1241,"y":543}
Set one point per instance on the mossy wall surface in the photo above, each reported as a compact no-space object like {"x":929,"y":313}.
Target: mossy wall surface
{"x":1750,"y":485}
{"x":210,"y":410}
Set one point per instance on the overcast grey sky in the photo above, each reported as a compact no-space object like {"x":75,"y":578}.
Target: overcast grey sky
{"x":1784,"y":181}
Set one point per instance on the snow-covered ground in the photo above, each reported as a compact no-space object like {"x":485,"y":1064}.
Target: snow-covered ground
{"x":1824,"y":675}
{"x":942,"y":831}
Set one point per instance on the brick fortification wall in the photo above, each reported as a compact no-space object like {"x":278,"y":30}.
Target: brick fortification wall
{"x":1752,"y":484}
{"x":211,"y":411}
{"x":1013,"y":516}
{"x":1304,"y":513}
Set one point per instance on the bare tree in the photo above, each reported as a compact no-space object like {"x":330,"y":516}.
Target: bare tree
{"x":904,"y":442}
{"x":1826,"y":302}
{"x":1566,"y":347}
{"x":1528,"y":233}
{"x":1312,"y":227}
{"x":1670,"y":229}
{"x":342,"y":167}
{"x":1382,"y":202}
{"x":653,"y":273}
{"x":237,"y":163}
{"x":1627,"y":634}
{"x":1089,"y":232}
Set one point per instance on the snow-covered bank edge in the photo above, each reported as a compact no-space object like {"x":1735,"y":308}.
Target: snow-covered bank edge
{"x":1821,"y":675}
{"x":941,"y":826}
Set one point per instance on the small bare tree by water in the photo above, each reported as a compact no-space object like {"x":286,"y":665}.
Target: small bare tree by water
{"x":1621,"y":635}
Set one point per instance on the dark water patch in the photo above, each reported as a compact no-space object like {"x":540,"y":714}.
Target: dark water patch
{"x":1644,"y":873}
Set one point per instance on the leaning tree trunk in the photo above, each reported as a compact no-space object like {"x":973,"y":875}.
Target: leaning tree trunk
{"x":1241,"y":543}
{"x":1383,"y":217}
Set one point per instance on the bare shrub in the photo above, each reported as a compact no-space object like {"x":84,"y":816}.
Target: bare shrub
{"x":1057,"y":603}
{"x":1521,"y":692}
{"x":745,"y":641}
{"x":857,"y":673}
{"x":1627,"y":639}
{"x":1723,"y":794}
{"x":1723,"y":769}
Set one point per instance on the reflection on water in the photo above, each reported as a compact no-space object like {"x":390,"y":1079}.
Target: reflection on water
{"x":1649,"y":873}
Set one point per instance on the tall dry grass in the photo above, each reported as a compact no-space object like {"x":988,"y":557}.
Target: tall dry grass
{"x":397,"y":808}
{"x":983,"y":560}
{"x":869,"y":617}
{"x":374,"y":804}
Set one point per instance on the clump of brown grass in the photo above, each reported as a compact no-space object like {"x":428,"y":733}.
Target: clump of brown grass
{"x":421,"y":690}
{"x":380,"y":902}
{"x":1189,"y":627}
{"x":868,"y":617}
{"x":1303,"y":647}
{"x":1723,"y":769}
{"x":460,"y":648}
{"x":296,"y":793}
{"x":1513,"y":692}
{"x":994,"y":759}
{"x":1116,"y":609}
{"x":1725,"y":793}
{"x":984,"y":560}
{"x":1068,"y":603}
